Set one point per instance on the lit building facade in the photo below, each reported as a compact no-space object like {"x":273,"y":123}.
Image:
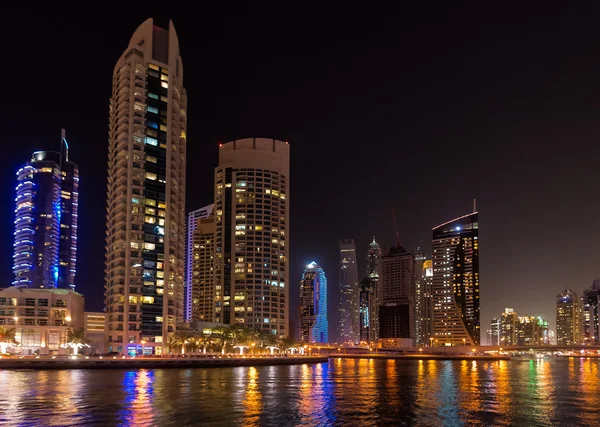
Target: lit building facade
{"x":203,"y":270}
{"x":192,"y":220}
{"x":314,"y":326}
{"x":45,"y":245}
{"x":508,"y":327}
{"x":252,"y":234}
{"x":455,"y":287}
{"x":42,"y":318}
{"x":590,"y":307}
{"x":495,"y":331}
{"x":366,"y":308}
{"x":568,"y":318}
{"x":374,"y":273}
{"x":145,"y":225}
{"x":349,"y":290}
{"x":95,"y":332}
{"x":423,"y":299}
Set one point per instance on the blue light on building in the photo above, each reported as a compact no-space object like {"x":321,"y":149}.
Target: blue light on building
{"x":314,"y":324}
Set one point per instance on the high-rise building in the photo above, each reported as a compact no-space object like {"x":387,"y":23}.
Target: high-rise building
{"x":568,"y":318}
{"x":145,"y":224}
{"x":45,"y":245}
{"x":192,"y":220}
{"x":590,"y":306}
{"x":397,"y":286}
{"x":423,"y":299}
{"x":349,"y":290}
{"x":495,"y":332}
{"x":314,"y":325}
{"x":455,"y":288}
{"x":508,"y":327}
{"x":203,"y":269}
{"x":374,"y":273}
{"x":531,"y":330}
{"x":252,"y":234}
{"x":366,"y":308}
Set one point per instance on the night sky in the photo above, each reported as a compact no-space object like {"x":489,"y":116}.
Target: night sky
{"x":422,"y":110}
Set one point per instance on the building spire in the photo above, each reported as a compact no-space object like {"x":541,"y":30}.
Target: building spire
{"x":63,"y":140}
{"x":474,"y":205}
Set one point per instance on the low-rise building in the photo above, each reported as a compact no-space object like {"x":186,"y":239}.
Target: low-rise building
{"x":95,"y":332}
{"x":42,"y":318}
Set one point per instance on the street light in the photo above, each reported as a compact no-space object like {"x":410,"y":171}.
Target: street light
{"x":431,"y":342}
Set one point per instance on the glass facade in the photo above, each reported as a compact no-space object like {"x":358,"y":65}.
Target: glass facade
{"x":46,"y":208}
{"x":455,"y":285}
{"x":349,"y":290}
{"x":314,"y":325}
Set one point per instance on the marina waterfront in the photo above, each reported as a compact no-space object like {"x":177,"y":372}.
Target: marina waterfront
{"x":345,"y":392}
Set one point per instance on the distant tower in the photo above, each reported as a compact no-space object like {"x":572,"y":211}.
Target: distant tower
{"x":349,"y":290}
{"x":192,"y":221}
{"x":397,"y":298}
{"x":455,"y":287}
{"x":590,"y":305}
{"x":568,"y":318}
{"x":374,"y":273}
{"x":366,"y":309}
{"x":145,"y":220}
{"x":45,"y":245}
{"x":313,"y":305}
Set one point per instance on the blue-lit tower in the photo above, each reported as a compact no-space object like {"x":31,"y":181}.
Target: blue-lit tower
{"x":46,"y":222}
{"x":313,"y":305}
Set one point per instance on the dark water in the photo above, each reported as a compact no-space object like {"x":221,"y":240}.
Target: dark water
{"x":563,"y":392}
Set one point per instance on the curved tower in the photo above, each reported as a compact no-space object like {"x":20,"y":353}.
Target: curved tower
{"x":45,"y":242}
{"x":145,"y":221}
{"x":455,"y":284}
{"x":251,"y":211}
{"x":313,"y":305}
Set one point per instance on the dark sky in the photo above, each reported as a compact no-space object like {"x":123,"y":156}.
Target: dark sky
{"x":421,"y":110}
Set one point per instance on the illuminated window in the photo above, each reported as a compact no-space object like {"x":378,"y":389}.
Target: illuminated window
{"x":151,"y":141}
{"x":153,"y":110}
{"x":150,"y":220}
{"x":151,"y":159}
{"x":163,"y":128}
{"x":149,"y":246}
{"x":135,"y":245}
{"x":150,"y":211}
{"x":164,"y":84}
{"x":152,"y":176}
{"x":151,"y":202}
{"x":133,"y":300}
{"x":152,"y":95}
{"x":135,"y":200}
{"x":153,"y":67}
{"x":147,"y":300}
{"x":164,"y":77}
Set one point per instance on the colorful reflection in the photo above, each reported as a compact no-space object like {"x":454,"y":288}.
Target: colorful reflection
{"x":252,"y":399}
{"x":138,"y":402}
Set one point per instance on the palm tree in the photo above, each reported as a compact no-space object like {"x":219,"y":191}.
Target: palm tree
{"x":76,"y":340}
{"x":287,"y":343}
{"x":7,"y":337}
{"x":179,"y":339}
{"x":223,"y":334}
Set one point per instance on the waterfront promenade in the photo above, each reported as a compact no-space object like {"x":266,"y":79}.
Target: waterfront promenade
{"x":411,"y":356}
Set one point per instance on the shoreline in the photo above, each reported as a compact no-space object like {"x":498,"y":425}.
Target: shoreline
{"x":153,"y":363}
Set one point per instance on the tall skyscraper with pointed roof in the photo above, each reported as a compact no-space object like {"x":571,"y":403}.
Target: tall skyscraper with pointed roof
{"x":145,"y":223}
{"x":349,"y":290}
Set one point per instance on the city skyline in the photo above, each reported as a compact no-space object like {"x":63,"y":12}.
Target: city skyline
{"x":538,"y":283}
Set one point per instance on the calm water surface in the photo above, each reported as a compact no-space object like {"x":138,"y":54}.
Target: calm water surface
{"x":564,"y":392}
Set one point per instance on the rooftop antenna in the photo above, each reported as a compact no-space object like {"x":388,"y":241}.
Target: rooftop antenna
{"x":474,"y":205}
{"x":63,"y":140}
{"x":396,"y":227}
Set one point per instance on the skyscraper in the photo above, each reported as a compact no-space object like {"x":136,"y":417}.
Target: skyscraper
{"x":192,"y":221}
{"x":455,"y":288}
{"x":568,"y":318}
{"x":202,"y":274}
{"x":366,"y":307}
{"x":397,"y":286}
{"x":590,"y":304}
{"x":349,"y":290}
{"x":45,"y":246}
{"x":423,"y":302}
{"x":313,"y":305}
{"x":252,"y":234}
{"x":145,"y":224}
{"x":374,"y":274}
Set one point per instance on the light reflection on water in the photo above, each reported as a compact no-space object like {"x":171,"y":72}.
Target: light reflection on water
{"x":345,"y":392}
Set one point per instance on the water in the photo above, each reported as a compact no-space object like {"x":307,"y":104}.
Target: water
{"x":364,"y":392}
